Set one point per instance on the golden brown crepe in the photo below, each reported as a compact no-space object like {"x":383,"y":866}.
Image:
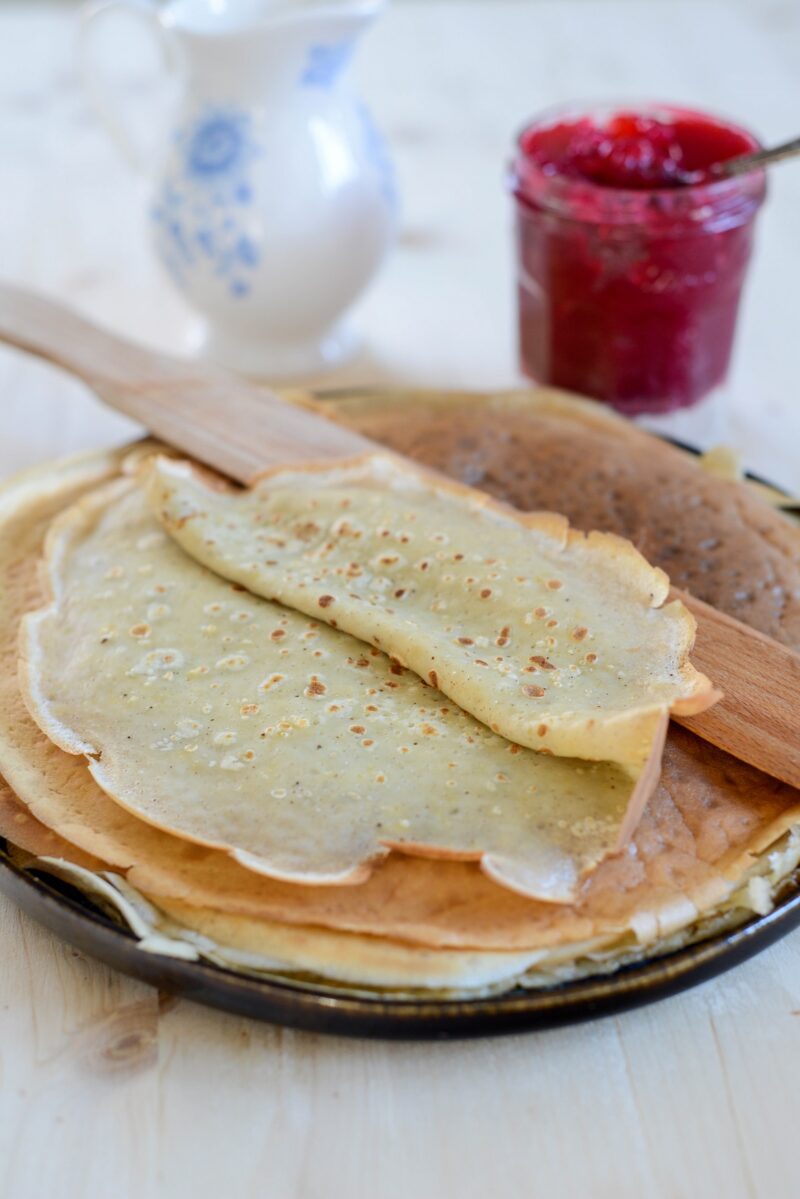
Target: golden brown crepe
{"x":547,"y":449}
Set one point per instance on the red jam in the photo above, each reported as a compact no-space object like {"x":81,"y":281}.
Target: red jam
{"x":630,"y":273}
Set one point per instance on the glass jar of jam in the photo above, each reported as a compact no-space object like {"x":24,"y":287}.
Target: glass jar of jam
{"x":630,"y":277}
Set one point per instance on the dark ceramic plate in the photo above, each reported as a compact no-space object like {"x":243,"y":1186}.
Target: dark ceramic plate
{"x":321,"y":1008}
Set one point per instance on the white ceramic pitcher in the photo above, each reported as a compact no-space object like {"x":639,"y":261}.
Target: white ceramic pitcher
{"x":274,"y":200}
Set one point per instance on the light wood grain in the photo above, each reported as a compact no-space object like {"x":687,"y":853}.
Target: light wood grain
{"x":693,"y":1098}
{"x":758,"y":718}
{"x":240,"y":429}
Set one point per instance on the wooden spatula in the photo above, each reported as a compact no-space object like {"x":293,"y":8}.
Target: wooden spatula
{"x":216,"y":417}
{"x":240,"y":428}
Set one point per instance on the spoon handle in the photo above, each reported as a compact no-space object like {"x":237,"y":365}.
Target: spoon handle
{"x":751,"y":162}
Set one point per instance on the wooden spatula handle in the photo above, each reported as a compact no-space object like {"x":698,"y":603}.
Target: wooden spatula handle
{"x":758,"y":718}
{"x":228,"y":423}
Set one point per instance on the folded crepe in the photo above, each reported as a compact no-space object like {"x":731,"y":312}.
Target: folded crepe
{"x":557,"y":640}
{"x":712,"y":845}
{"x":237,"y":723}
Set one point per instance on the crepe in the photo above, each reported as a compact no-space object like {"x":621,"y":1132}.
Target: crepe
{"x":559,"y":641}
{"x":712,"y":843}
{"x":231,"y":721}
{"x":547,"y":449}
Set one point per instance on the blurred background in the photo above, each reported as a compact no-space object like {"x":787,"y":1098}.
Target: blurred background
{"x":450,"y":82}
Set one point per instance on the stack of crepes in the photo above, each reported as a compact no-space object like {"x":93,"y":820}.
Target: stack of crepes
{"x":363,"y":725}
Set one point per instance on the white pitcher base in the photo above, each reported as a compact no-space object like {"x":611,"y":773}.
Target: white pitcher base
{"x":284,"y":360}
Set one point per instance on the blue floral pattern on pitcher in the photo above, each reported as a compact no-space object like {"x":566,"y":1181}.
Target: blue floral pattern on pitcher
{"x":218,"y":145}
{"x":325,"y":64}
{"x":201,"y":213}
{"x":378,"y":156}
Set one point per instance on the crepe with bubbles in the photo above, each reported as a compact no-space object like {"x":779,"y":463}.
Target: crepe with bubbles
{"x":557,"y":640}
{"x":232,"y":721}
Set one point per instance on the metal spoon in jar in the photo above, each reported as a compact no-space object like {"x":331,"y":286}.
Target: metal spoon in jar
{"x":742,"y":164}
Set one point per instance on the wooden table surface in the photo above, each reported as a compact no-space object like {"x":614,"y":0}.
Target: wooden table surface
{"x":110,"y":1089}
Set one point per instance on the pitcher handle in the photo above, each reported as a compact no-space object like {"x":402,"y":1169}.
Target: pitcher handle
{"x":101,"y":95}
